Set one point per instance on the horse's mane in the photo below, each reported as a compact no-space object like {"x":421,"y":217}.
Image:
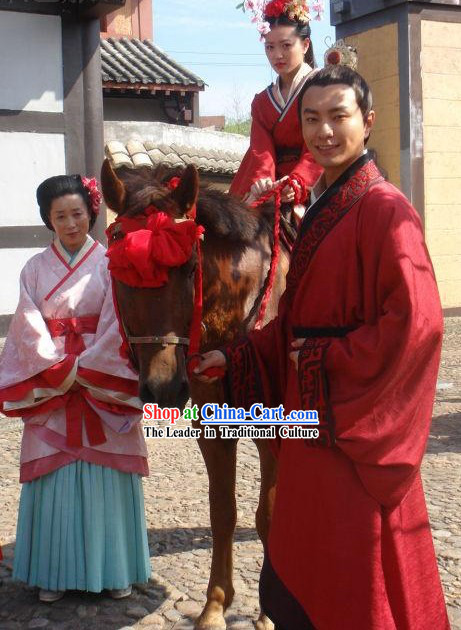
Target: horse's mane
{"x":220,"y":213}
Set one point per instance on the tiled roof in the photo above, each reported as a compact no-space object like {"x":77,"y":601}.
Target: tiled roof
{"x":132,"y":61}
{"x":136,"y":153}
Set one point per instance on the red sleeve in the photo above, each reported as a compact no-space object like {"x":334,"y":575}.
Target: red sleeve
{"x":259,"y":160}
{"x":256,"y":367}
{"x":379,"y":381}
{"x":51,"y":377}
{"x":109,"y":381}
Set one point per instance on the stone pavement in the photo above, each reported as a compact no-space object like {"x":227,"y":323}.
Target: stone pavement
{"x":179,"y":535}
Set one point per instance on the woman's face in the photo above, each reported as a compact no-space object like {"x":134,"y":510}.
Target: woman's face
{"x":70,"y":220}
{"x":285,"y":49}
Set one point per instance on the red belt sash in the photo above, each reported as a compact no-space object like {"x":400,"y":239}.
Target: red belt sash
{"x":77,"y":409}
{"x":72,"y":329}
{"x":76,"y":405}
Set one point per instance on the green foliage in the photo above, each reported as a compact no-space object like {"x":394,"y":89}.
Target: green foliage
{"x":241,"y":127}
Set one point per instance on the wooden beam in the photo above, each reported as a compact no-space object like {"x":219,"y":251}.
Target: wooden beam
{"x":33,"y":122}
{"x":130,"y":87}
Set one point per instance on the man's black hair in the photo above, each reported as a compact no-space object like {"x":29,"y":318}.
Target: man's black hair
{"x":340,"y":75}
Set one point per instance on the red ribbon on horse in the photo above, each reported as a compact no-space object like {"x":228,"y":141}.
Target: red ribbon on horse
{"x":152,"y":243}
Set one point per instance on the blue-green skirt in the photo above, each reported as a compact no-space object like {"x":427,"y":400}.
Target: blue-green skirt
{"x":82,"y":527}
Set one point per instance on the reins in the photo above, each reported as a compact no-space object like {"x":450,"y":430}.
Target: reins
{"x":298,"y":186}
{"x":193,"y":358}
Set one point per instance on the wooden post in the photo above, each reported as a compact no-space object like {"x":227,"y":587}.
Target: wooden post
{"x":93,"y":112}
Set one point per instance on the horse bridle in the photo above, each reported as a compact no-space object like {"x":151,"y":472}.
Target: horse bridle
{"x":159,"y":340}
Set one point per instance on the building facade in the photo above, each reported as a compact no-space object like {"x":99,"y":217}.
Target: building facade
{"x":50,"y":118}
{"x":410,"y":53}
{"x":141,"y":82}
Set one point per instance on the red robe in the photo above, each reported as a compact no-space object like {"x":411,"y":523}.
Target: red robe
{"x":350,"y":546}
{"x":276,"y":144}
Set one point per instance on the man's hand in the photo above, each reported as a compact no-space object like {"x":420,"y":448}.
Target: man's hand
{"x":296,"y":344}
{"x":214,"y":358}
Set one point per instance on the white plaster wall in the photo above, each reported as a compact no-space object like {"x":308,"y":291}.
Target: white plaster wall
{"x":30,"y":62}
{"x":26,"y":159}
{"x":11,"y":263}
{"x":164,"y":133}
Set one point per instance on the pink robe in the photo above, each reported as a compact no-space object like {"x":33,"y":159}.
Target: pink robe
{"x":65,"y":332}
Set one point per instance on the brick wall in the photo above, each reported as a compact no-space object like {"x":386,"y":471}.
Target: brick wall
{"x":378,"y":63}
{"x":441,"y":76}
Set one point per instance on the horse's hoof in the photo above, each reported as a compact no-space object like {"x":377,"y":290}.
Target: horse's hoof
{"x":210,"y":626}
{"x":264,"y":623}
{"x":214,"y":621}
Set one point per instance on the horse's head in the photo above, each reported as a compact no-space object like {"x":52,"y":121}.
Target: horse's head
{"x":153,"y":257}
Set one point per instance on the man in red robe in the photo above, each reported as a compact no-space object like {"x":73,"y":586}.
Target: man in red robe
{"x":357,"y":337}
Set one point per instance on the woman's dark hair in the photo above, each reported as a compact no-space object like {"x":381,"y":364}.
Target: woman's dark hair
{"x":303,"y":30}
{"x":340,"y":75}
{"x":58,"y":186}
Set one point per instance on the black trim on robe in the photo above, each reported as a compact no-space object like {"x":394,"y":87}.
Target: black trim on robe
{"x":278,"y":603}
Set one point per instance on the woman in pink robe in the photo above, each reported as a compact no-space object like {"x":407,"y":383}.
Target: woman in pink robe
{"x":81,"y":522}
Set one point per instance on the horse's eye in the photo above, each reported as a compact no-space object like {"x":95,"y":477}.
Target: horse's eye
{"x":116,"y":236}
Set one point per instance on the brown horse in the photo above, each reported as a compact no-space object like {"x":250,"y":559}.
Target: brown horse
{"x":236,"y":253}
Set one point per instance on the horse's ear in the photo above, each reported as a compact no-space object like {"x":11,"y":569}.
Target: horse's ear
{"x":112,"y":188}
{"x":186,"y":192}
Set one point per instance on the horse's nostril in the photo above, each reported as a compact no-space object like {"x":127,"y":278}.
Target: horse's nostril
{"x":165,"y":395}
{"x":183,"y":394}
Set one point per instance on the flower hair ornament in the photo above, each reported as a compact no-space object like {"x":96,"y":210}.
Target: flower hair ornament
{"x":341,"y":54}
{"x":91,"y":185}
{"x":296,"y":10}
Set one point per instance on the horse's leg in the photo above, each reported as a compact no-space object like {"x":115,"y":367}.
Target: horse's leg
{"x":220,"y":460}
{"x":268,"y":467}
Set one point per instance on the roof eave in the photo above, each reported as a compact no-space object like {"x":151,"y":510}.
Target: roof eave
{"x":152,"y":87}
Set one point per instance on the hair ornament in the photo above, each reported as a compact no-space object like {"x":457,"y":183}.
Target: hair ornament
{"x":341,"y":54}
{"x":295,"y":10}
{"x":91,"y":185}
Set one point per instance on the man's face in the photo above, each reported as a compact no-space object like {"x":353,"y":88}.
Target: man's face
{"x":333,"y":126}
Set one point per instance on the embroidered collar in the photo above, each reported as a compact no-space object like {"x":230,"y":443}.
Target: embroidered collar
{"x":326,"y":213}
{"x":363,"y":169}
{"x":302,"y":73}
{"x":73,"y":258}
{"x":275,"y":95}
{"x":320,"y":187}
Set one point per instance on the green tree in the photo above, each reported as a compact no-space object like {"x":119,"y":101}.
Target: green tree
{"x":241,"y":126}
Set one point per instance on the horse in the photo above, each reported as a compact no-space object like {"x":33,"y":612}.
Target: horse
{"x":236,"y":254}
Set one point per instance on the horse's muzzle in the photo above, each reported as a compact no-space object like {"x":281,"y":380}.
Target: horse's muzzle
{"x":172,"y":394}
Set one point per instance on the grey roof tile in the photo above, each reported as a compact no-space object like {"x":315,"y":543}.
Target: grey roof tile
{"x":136,"y":153}
{"x":129,"y":60}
